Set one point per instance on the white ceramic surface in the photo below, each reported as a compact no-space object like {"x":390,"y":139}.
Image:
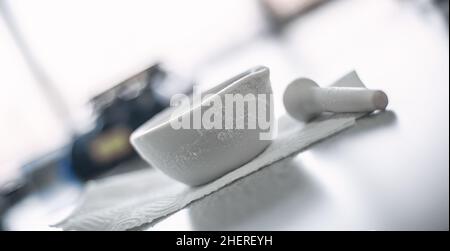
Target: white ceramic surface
{"x":198,"y":156}
{"x":304,"y":99}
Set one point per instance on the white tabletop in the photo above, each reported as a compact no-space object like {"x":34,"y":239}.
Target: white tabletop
{"x":389,"y":172}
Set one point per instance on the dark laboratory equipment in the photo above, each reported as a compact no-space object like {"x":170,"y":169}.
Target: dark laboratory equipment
{"x":120,"y":110}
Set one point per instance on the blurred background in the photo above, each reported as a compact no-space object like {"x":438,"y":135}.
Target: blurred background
{"x":78,"y":77}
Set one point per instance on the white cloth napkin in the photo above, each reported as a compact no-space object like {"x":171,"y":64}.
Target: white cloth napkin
{"x":143,"y":197}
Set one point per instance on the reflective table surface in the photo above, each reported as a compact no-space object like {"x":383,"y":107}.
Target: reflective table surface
{"x":389,"y":172}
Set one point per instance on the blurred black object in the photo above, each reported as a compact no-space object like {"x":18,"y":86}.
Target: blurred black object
{"x":48,"y":170}
{"x":10,"y":193}
{"x":120,"y":110}
{"x":443,"y":7}
{"x":37,"y":176}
